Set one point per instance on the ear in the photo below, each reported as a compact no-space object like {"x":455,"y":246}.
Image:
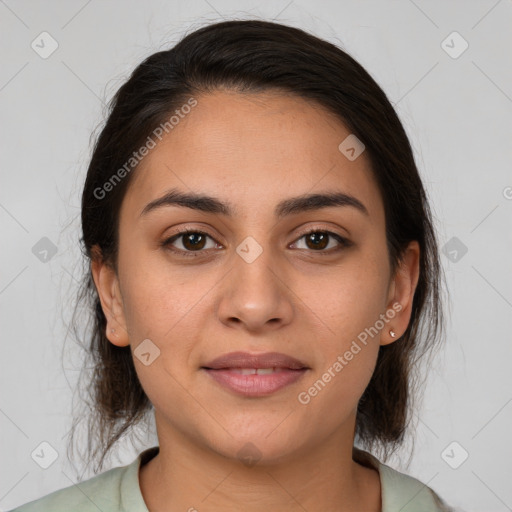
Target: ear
{"x":401,"y":293}
{"x":107,"y":286}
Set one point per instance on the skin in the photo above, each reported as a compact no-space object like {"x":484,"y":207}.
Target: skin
{"x":254,"y":150}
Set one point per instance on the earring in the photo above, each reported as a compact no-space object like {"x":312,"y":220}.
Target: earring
{"x":112,"y":330}
{"x":392,"y":333}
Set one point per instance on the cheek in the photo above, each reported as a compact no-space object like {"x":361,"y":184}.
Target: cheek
{"x":349,"y":303}
{"x":155,"y":298}
{"x":170,"y":309}
{"x":162,"y":311}
{"x":336,"y":393}
{"x":349,"y":298}
{"x":168,"y":314}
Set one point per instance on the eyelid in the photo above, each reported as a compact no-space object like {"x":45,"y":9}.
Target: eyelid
{"x":341,"y":239}
{"x":183,"y":231}
{"x":323,"y":229}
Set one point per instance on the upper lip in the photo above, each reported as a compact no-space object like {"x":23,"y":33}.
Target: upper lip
{"x":247,"y":360}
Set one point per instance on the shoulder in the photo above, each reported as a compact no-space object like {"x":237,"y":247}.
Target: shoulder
{"x":111,"y":491}
{"x":408,"y":494}
{"x":400,"y":491}
{"x":101,"y":491}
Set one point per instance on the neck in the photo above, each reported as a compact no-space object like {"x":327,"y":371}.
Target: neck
{"x":182,"y":476}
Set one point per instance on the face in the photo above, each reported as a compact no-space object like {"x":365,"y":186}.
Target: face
{"x":251,"y":280}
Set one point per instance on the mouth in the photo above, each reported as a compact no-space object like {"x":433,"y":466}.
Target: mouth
{"x":255,"y":375}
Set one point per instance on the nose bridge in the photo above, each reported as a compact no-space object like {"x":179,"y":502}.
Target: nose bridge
{"x":253,"y":262}
{"x":253,"y":292}
{"x":252,"y":271}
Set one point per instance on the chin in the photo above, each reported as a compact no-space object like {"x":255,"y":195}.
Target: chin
{"x":263,"y":445}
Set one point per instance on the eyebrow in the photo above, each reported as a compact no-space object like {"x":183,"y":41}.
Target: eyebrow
{"x":293,"y":205}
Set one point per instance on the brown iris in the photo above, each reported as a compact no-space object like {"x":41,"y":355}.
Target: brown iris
{"x":193,"y":241}
{"x":318,"y":239}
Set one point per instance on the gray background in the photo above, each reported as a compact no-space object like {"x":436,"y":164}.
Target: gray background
{"x":456,"y":110}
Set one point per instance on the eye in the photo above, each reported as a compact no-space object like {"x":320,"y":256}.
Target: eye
{"x":195,"y":241}
{"x":192,"y":240}
{"x":317,"y":240}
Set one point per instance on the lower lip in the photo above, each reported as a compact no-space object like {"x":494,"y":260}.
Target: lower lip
{"x":255,"y":385}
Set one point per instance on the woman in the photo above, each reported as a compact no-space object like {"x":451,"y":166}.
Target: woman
{"x":263,"y":273}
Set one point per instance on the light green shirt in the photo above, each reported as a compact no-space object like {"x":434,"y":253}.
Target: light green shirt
{"x":118,"y":490}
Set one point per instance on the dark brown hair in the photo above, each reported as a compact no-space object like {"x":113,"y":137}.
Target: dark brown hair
{"x":252,"y":56}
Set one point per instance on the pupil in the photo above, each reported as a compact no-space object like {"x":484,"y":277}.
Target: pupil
{"x":321,"y":243}
{"x":191,"y":239}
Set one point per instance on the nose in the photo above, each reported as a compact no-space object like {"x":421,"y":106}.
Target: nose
{"x":255,"y":295}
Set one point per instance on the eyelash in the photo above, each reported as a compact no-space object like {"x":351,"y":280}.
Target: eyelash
{"x":344,"y":243}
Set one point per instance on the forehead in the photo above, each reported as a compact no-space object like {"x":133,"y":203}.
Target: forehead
{"x":253,"y":149}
